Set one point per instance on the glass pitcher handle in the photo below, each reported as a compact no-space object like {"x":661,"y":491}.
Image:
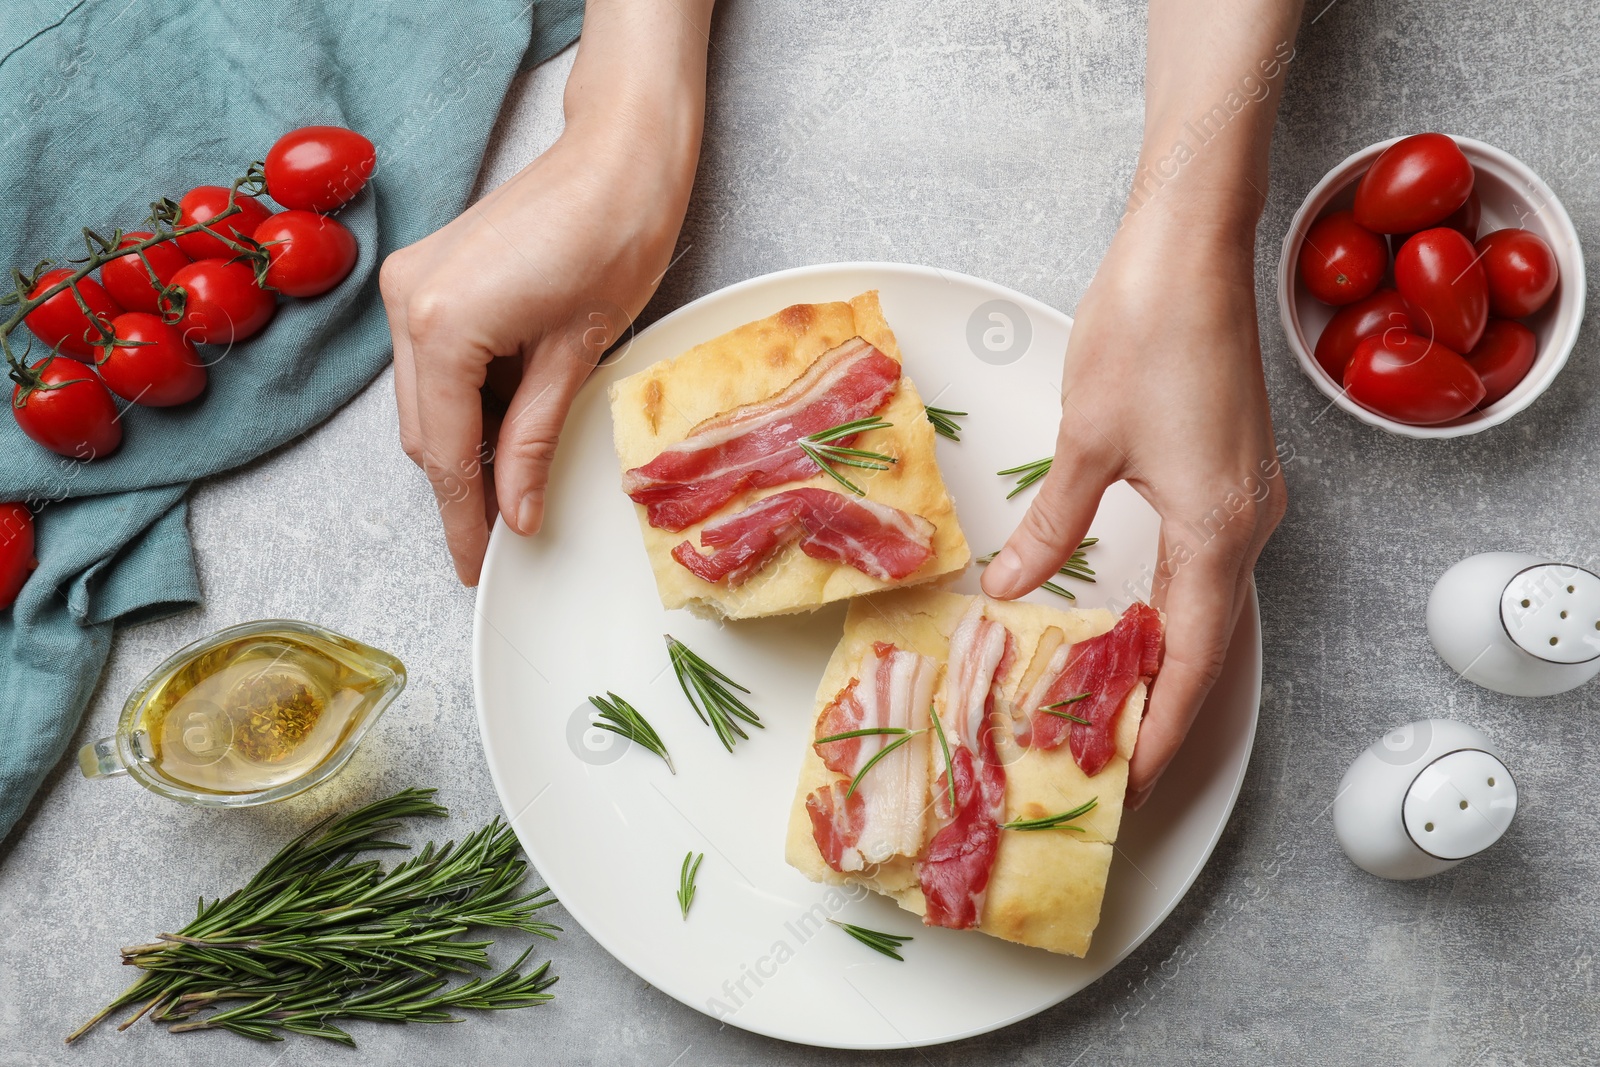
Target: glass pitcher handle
{"x":99,"y":759}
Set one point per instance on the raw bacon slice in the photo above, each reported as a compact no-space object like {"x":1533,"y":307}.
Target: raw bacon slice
{"x":954,"y":875}
{"x":836,"y":823}
{"x":1106,"y":667}
{"x":877,"y":540}
{"x":895,"y":690}
{"x":757,"y":446}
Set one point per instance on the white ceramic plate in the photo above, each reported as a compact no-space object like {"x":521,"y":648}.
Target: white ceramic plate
{"x":574,"y":612}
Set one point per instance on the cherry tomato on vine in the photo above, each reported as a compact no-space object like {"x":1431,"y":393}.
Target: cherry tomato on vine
{"x":151,"y":363}
{"x":129,"y":280}
{"x":307,"y":253}
{"x":59,"y":321}
{"x":16,"y":551}
{"x":203,"y":203}
{"x":1383,"y":310}
{"x":1521,"y":270}
{"x":1340,"y":261}
{"x":221,"y":302}
{"x":1438,"y":273}
{"x":1416,"y":183}
{"x":318,"y":168}
{"x":1411,"y":379}
{"x":67,"y":410}
{"x":1503,"y":358}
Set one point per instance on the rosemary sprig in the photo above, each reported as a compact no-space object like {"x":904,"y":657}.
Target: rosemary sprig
{"x":944,"y":421}
{"x":944,"y":747}
{"x":1058,"y":821}
{"x":1055,"y":709}
{"x":319,"y":934}
{"x":620,"y":717}
{"x":876,"y":756}
{"x":710,"y":693}
{"x":1027,"y":474}
{"x":871,"y":731}
{"x":819,"y":446}
{"x":1076,"y":566}
{"x":691,"y":867}
{"x":888,"y":944}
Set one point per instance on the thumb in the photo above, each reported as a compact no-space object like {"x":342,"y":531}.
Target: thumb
{"x":528,"y":436}
{"x":1049,"y":533}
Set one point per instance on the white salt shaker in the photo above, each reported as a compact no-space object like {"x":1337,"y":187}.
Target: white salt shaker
{"x":1423,"y":798}
{"x":1517,"y":623}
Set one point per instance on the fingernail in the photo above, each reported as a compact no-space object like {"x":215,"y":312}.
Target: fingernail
{"x":530,"y":513}
{"x":1000,"y":577}
{"x":1136,"y":800}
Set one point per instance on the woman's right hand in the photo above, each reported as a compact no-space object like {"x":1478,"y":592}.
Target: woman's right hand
{"x":522,"y":294}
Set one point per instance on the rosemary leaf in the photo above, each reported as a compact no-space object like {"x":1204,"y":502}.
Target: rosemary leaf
{"x":873,"y":762}
{"x":871,"y":731}
{"x":944,"y":747}
{"x":711,"y":694}
{"x":620,"y":717}
{"x":825,"y":454}
{"x":1077,"y":566}
{"x":1053,"y":822}
{"x":888,"y":944}
{"x":686,"y":887}
{"x":1055,"y":709}
{"x":1027,"y":474}
{"x":319,"y":934}
{"x":944,"y":422}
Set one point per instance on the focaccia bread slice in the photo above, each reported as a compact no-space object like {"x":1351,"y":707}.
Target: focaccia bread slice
{"x":660,"y":405}
{"x":1045,"y":887}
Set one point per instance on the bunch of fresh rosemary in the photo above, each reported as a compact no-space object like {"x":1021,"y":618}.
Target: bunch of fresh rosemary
{"x":319,"y":935}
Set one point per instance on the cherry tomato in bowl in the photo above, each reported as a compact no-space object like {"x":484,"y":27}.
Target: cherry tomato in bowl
{"x":319,"y":168}
{"x":221,"y":302}
{"x":1438,"y":273}
{"x":205,"y":202}
{"x":1341,"y":262}
{"x":16,"y":551}
{"x":1411,"y":379}
{"x":151,"y":362}
{"x":1521,"y":271}
{"x":67,"y":410}
{"x":1503,"y":358}
{"x":307,"y":253}
{"x":1353,"y":323}
{"x":60,"y":322}
{"x":130,"y":281}
{"x":1416,"y":183}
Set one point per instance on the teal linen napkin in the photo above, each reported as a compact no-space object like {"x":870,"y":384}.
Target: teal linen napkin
{"x":109,"y":104}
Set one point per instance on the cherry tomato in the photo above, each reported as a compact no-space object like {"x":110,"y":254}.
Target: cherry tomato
{"x":1438,"y":273}
{"x":206,"y":201}
{"x":1416,"y":183}
{"x":69,"y":411}
{"x":222,"y":302}
{"x":308,"y":253}
{"x":16,"y":551}
{"x":1411,"y":379}
{"x":60,"y":322}
{"x":1521,"y":270}
{"x":1503,"y":358}
{"x":1341,"y":262}
{"x":318,"y":168}
{"x":1384,"y":309}
{"x":151,"y":363}
{"x":129,"y":280}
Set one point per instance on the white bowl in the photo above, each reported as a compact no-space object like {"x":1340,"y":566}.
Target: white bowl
{"x":1512,"y":195}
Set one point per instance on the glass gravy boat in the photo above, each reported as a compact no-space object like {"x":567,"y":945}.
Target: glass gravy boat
{"x":254,"y":713}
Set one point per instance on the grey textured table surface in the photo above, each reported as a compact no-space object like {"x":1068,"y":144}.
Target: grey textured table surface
{"x":995,"y":139}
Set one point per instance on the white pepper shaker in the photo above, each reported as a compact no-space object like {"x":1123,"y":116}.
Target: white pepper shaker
{"x":1517,"y":623}
{"x":1423,"y":798}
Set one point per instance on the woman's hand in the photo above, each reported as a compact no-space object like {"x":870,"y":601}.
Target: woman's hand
{"x":1163,"y":387}
{"x":510,"y":306}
